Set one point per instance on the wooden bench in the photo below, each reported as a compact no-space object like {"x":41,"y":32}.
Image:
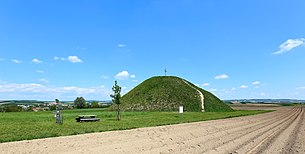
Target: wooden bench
{"x":87,"y":118}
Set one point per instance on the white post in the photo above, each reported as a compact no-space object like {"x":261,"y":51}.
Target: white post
{"x":180,"y":109}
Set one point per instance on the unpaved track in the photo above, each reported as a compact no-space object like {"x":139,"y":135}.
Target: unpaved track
{"x":282,"y":131}
{"x":200,"y":94}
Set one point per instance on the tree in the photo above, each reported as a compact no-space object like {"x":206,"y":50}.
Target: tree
{"x":116,"y":98}
{"x":95,"y":104}
{"x":80,"y":102}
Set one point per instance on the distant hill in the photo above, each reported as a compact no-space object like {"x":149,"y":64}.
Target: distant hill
{"x":21,"y":102}
{"x":267,"y":100}
{"x":167,"y":93}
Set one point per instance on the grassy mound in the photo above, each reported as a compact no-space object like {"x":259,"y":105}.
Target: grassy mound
{"x":167,"y":93}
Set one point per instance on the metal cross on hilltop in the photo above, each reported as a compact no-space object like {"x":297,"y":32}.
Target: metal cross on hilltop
{"x":165,"y":71}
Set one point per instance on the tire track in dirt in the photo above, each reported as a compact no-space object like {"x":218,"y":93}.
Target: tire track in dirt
{"x":216,"y":144}
{"x":213,"y":136}
{"x":267,"y":139}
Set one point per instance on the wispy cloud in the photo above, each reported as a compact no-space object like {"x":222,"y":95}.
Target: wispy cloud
{"x":72,"y":59}
{"x":36,"y":61}
{"x":122,"y":45}
{"x":32,"y":87}
{"x":2,"y":82}
{"x":39,"y":71}
{"x":79,"y":90}
{"x":123,"y":75}
{"x":104,"y":77}
{"x":81,"y":48}
{"x":16,"y":61}
{"x":132,"y":76}
{"x":205,"y":84}
{"x":213,"y":90}
{"x":2,"y":59}
{"x":256,"y":82}
{"x":243,"y":87}
{"x":49,"y":90}
{"x":222,"y":76}
{"x":301,"y":88}
{"x":289,"y":45}
{"x":44,"y":80}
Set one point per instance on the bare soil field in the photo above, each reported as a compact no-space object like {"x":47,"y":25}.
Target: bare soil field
{"x":281,"y":131}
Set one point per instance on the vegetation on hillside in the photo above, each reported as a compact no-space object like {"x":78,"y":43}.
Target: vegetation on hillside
{"x":167,"y":93}
{"x":212,"y":103}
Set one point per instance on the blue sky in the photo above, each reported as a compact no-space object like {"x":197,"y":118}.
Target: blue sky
{"x":235,"y":49}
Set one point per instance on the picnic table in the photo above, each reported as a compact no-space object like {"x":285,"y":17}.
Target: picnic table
{"x":87,"y":118}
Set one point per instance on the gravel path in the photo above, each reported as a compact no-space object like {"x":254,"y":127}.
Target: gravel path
{"x":200,"y":94}
{"x":282,"y":131}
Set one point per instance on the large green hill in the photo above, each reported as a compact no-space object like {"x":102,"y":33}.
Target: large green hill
{"x":167,"y":93}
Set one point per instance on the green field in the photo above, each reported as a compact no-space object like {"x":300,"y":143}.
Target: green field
{"x":15,"y":126}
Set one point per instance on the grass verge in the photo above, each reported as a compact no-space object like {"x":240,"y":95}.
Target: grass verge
{"x":16,"y":126}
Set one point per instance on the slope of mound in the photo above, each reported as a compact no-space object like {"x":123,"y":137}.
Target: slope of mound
{"x":167,"y":93}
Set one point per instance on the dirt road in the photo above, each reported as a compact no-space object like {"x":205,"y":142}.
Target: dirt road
{"x":282,"y":131}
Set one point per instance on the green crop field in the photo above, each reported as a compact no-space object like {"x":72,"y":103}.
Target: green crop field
{"x":15,"y":126}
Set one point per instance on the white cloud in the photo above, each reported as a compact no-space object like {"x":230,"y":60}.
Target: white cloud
{"x":255,"y":82}
{"x":16,"y":61}
{"x":135,"y":80}
{"x":36,"y":61}
{"x":31,"y":87}
{"x":205,"y":84}
{"x":122,"y":75}
{"x":39,"y":71}
{"x":48,"y":92}
{"x":289,"y":44}
{"x":121,"y":45}
{"x":233,"y":88}
{"x":44,"y":80}
{"x":222,"y":76}
{"x":243,"y":86}
{"x":74,"y":59}
{"x":132,"y":76}
{"x":79,"y":90}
